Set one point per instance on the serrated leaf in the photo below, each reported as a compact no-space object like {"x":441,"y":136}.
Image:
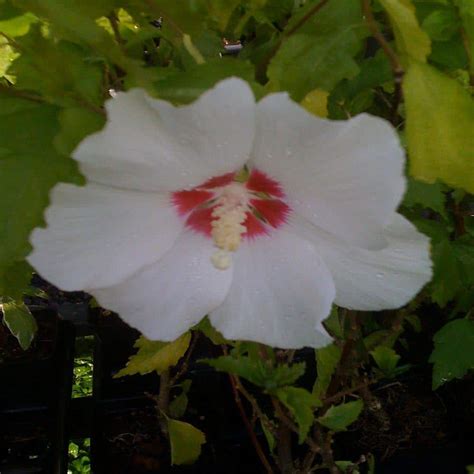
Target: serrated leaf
{"x":339,"y":417}
{"x":333,"y":324}
{"x":181,"y":87}
{"x":20,"y":322}
{"x":321,"y":53}
{"x":386,"y":359}
{"x":29,"y":168}
{"x":453,"y":354}
{"x":155,"y":356}
{"x":411,"y":40}
{"x":327,"y":359}
{"x":316,"y":102}
{"x":257,"y":371}
{"x":301,"y":404}
{"x":440,"y":120}
{"x":447,"y":279}
{"x":441,"y":24}
{"x":210,"y":332}
{"x":17,"y":25}
{"x":63,"y":72}
{"x":179,"y":404}
{"x":75,"y":124}
{"x":426,"y":195}
{"x":186,"y":441}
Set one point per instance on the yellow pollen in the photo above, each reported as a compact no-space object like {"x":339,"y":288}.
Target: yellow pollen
{"x":227,"y":230}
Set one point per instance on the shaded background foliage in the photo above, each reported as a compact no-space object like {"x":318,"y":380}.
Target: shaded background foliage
{"x":409,"y":61}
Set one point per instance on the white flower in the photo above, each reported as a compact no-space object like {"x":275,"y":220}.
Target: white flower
{"x":258,"y":214}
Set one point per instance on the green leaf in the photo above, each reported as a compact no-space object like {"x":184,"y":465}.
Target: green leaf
{"x":63,"y":72}
{"x":20,"y":322}
{"x":345,"y":465}
{"x":441,"y":24}
{"x":7,"y":55}
{"x":210,"y":332}
{"x":327,"y":359}
{"x":186,"y":441}
{"x":257,"y":371}
{"x":29,"y":168}
{"x":321,"y":53}
{"x":75,"y":124}
{"x":386,"y":359}
{"x":177,"y":407}
{"x":185,"y":87}
{"x":411,"y":40}
{"x":447,"y":278}
{"x":155,"y":355}
{"x":268,"y":436}
{"x":17,"y":25}
{"x":333,"y":324}
{"x":301,"y":405}
{"x":453,"y":354}
{"x":426,"y":195}
{"x":14,"y":282}
{"x":75,"y":20}
{"x":440,"y":120}
{"x":339,"y":417}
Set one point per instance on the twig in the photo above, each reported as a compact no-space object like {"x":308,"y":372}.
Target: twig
{"x":262,"y":67}
{"x":348,"y":391}
{"x":163,"y":400}
{"x":21,"y":94}
{"x":285,"y":457}
{"x":113,"y":20}
{"x":185,"y":363}
{"x":470,"y":55}
{"x":248,"y":426}
{"x":397,"y":69}
{"x":348,"y":353}
{"x":326,"y":450}
{"x":237,"y":386}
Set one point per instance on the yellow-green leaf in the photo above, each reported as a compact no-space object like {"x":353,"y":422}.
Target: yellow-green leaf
{"x":409,"y":37}
{"x":185,"y":440}
{"x":155,"y":355}
{"x":440,"y":127}
{"x":316,"y":102}
{"x":20,"y":321}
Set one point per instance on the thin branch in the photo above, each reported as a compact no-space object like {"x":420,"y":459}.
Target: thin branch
{"x":21,"y":94}
{"x":114,"y":23}
{"x":397,"y":68}
{"x":262,"y":67}
{"x":312,"y":11}
{"x":285,"y":457}
{"x":185,"y":363}
{"x":237,"y":386}
{"x":258,"y":448}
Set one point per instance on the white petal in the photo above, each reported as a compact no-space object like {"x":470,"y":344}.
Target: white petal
{"x":167,"y":298}
{"x":98,"y":236}
{"x":344,"y":176}
{"x":150,"y":145}
{"x":280,"y":294}
{"x":373,"y":280}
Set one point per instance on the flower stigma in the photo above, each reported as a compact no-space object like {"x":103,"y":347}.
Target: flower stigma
{"x":228,"y":223}
{"x":231,"y":207}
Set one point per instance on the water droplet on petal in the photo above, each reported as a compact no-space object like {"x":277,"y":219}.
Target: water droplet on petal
{"x":380,"y":275}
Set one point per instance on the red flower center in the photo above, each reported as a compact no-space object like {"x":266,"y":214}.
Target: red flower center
{"x":260,"y":197}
